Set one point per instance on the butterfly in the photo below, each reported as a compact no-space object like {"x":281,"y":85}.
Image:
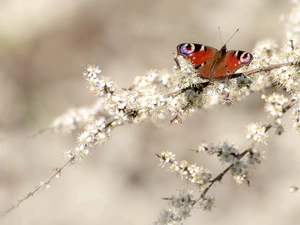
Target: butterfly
{"x":213,"y":63}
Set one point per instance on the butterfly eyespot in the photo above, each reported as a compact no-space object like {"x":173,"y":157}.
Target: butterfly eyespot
{"x":246,"y":58}
{"x":187,"y":49}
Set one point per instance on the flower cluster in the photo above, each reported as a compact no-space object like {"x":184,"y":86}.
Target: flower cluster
{"x":255,"y":156}
{"x":94,"y":133}
{"x":98,"y":85}
{"x":286,"y":77}
{"x":274,"y":104}
{"x":257,"y":133}
{"x":265,"y":52}
{"x":186,"y":75}
{"x":76,"y":118}
{"x":135,"y":104}
{"x":192,"y":172}
{"x":202,"y":178}
{"x":228,"y":154}
{"x":182,"y":205}
{"x":207,"y":202}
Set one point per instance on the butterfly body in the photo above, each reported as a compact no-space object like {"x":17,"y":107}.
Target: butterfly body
{"x":212,"y":63}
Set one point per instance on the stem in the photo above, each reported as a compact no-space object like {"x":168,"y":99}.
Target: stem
{"x":47,"y":181}
{"x":268,"y":68}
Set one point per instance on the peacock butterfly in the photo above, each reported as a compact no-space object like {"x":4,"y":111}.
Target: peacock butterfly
{"x":213,"y":63}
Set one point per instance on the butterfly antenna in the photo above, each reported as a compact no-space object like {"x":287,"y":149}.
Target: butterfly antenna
{"x":232,"y":36}
{"x":220,"y":35}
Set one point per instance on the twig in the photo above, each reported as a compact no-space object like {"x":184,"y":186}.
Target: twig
{"x":40,"y":132}
{"x":197,"y":87}
{"x":108,"y":123}
{"x":268,"y":68}
{"x":47,"y":181}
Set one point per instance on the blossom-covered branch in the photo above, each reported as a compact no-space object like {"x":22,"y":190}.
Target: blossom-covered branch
{"x":202,"y":178}
{"x":175,"y":94}
{"x":141,"y":101}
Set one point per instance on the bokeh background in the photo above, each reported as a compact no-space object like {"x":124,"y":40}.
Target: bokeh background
{"x":43,"y":45}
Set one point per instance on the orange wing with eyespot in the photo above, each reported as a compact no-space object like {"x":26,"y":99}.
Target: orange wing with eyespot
{"x":236,"y":59}
{"x":200,"y":56}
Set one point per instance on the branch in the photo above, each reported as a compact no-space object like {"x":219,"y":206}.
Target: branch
{"x":197,"y":87}
{"x":269,"y":68}
{"x":42,"y":184}
{"x":40,"y":132}
{"x":221,"y":175}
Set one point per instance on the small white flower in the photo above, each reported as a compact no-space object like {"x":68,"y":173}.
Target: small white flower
{"x":85,"y":138}
{"x":183,"y":173}
{"x":256,"y":132}
{"x":92,"y":71}
{"x":174,"y":167}
{"x":193,"y":168}
{"x":274,"y":104}
{"x":243,"y":81}
{"x":238,"y":165}
{"x":183,"y":164}
{"x":169,"y":156}
{"x":45,"y":185}
{"x":166,"y":157}
{"x":68,"y":154}
{"x":207,"y":203}
{"x":255,"y":156}
{"x":227,"y":152}
{"x":241,"y":178}
{"x":81,"y":152}
{"x":203,"y":147}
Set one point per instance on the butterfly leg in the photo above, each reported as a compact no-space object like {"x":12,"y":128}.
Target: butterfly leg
{"x":235,"y":75}
{"x":176,"y":61}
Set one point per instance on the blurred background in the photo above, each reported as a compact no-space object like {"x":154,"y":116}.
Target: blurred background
{"x":43,"y":45}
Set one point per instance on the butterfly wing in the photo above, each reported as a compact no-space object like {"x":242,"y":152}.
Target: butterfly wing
{"x":200,"y":56}
{"x":232,"y":61}
{"x":236,"y":59}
